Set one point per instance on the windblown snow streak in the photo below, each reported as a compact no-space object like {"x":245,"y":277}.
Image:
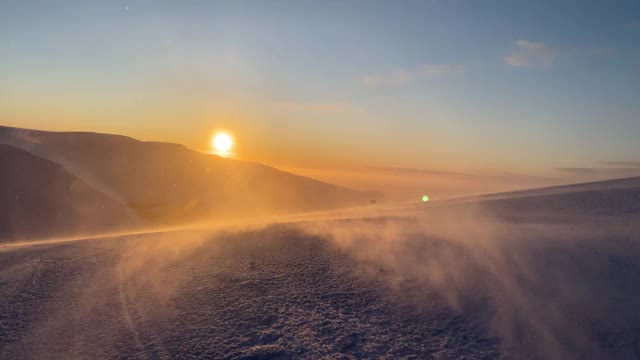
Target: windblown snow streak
{"x":544,"y":276}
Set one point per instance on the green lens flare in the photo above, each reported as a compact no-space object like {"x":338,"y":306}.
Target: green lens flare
{"x":425,"y":198}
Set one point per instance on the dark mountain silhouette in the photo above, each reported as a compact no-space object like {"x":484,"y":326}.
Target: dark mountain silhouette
{"x":166,"y":183}
{"x":40,"y":199}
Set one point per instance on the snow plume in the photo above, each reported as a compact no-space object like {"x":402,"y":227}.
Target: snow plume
{"x":536,"y":284}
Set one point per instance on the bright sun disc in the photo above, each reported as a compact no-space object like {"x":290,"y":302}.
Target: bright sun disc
{"x":222,"y":142}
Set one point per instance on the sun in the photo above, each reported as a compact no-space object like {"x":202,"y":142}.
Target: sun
{"x":222,"y":143}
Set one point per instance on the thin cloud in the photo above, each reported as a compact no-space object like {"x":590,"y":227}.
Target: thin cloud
{"x":429,"y":172}
{"x":600,"y":171}
{"x":402,"y":76}
{"x":415,"y":171}
{"x":528,"y":53}
{"x":337,"y":107}
{"x":432,"y":71}
{"x":633,"y":164}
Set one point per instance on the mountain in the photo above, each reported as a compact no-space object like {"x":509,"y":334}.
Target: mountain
{"x":593,"y":186}
{"x":40,"y":199}
{"x":165,"y":183}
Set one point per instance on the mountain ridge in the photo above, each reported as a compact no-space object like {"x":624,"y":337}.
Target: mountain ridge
{"x":170,"y":184}
{"x":40,"y":199}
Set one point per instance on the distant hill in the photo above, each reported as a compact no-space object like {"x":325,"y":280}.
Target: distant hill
{"x":611,"y":184}
{"x":40,"y":199}
{"x":166,"y":183}
{"x":616,"y":197}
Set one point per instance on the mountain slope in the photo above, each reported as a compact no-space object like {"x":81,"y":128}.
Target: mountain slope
{"x":42,"y":199}
{"x":602,"y":185}
{"x":168,"y":183}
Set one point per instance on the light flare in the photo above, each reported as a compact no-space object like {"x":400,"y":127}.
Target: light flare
{"x":222,"y":143}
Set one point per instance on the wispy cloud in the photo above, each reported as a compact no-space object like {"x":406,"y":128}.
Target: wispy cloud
{"x":433,"y":70}
{"x":415,"y":171}
{"x":334,"y":107}
{"x":633,"y":164}
{"x":528,"y":53}
{"x":430,"y":172}
{"x":601,"y":171}
{"x":401,"y":76}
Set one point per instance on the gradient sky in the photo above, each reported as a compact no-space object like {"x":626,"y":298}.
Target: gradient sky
{"x":549,"y":89}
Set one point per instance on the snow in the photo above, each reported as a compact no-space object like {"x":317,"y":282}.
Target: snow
{"x":549,"y":276}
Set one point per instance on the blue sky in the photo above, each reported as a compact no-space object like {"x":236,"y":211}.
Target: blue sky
{"x":534,"y":87}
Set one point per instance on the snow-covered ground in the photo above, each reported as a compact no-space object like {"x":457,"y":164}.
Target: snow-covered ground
{"x":529,"y":276}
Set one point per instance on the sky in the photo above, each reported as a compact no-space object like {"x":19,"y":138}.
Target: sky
{"x":359,"y":93}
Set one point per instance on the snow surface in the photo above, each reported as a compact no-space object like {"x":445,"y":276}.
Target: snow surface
{"x":547,"y":276}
